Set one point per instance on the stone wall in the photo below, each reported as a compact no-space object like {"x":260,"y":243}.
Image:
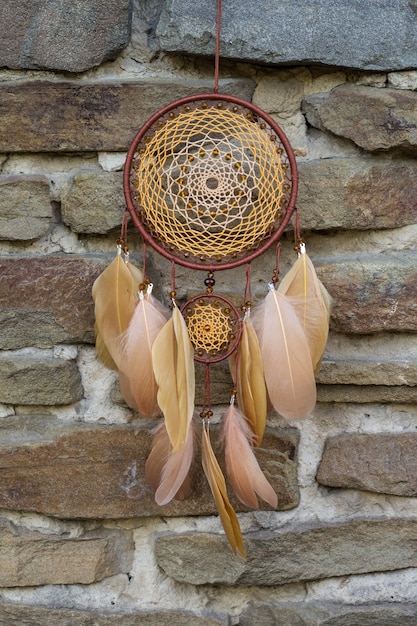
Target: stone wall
{"x":81,"y":538}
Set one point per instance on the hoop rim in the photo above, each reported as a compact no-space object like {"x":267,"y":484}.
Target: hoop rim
{"x":209,"y":266}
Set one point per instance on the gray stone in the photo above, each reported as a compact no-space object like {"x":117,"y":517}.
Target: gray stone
{"x":29,"y":558}
{"x":25,"y":207}
{"x":93,"y":201}
{"x":56,"y":306}
{"x":372,"y":293}
{"x":43,"y":381}
{"x":357,"y":193}
{"x":59,"y":35}
{"x":384,"y":463}
{"x":24,"y":615}
{"x":291,"y":554}
{"x":328,"y":614}
{"x":67,"y":117}
{"x":366,"y":393}
{"x":330,"y":33}
{"x":41,"y":460}
{"x":368,"y":371}
{"x":374,"y":119}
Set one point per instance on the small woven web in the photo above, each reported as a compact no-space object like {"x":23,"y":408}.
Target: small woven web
{"x":210,"y":181}
{"x":212,"y":328}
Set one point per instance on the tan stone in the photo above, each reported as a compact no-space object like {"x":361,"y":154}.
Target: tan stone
{"x":56,"y":116}
{"x":357,"y":193}
{"x":374,"y":119}
{"x":53,"y":306}
{"x":385,"y":463}
{"x":93,"y":201}
{"x":29,"y":558}
{"x":366,"y":393}
{"x":43,"y":381}
{"x":368,"y":371}
{"x":328,"y":614}
{"x":292,"y":553}
{"x":41,"y":461}
{"x":25,"y":207}
{"x":24,"y":615}
{"x":372,"y":294}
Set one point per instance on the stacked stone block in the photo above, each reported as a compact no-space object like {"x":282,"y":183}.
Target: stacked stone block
{"x":81,"y":538}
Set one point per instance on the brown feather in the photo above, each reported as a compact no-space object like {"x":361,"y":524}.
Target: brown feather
{"x":251,"y":390}
{"x":156,"y":464}
{"x":311,"y":302}
{"x":243,"y":471}
{"x":286,"y":357}
{"x":114,"y":294}
{"x":173,"y":364}
{"x":145,"y":325}
{"x":217,"y":484}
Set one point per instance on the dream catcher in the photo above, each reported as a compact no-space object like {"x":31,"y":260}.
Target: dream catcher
{"x":210,"y":182}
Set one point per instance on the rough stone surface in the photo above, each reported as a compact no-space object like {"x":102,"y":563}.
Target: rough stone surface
{"x":43,"y":381}
{"x":338,"y":33}
{"x":33,"y":558}
{"x":25,"y":207}
{"x":291,"y":554}
{"x":368,"y":371}
{"x":20,"y":615}
{"x":106,"y":115}
{"x":41,"y":460}
{"x":328,"y":614}
{"x":374,"y":119}
{"x":366,"y":393}
{"x":385,"y":463}
{"x":372,"y":293}
{"x":57,"y":35}
{"x":93,"y":201}
{"x":357,"y":193}
{"x":51,"y":301}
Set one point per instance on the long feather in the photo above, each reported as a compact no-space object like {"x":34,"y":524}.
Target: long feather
{"x":242,"y":468}
{"x":173,"y":364}
{"x":168,"y":473}
{"x":114,"y":294}
{"x":217,"y":484}
{"x":286,"y":357}
{"x":251,"y":390}
{"x":145,"y":325}
{"x":311,"y":302}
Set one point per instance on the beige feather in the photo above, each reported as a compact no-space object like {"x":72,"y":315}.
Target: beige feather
{"x":286,"y":357}
{"x":251,"y":390}
{"x":242,"y":468}
{"x":168,"y":473}
{"x":217,"y":484}
{"x":114,"y":295}
{"x":311,"y":301}
{"x":145,"y":325}
{"x":173,"y":364}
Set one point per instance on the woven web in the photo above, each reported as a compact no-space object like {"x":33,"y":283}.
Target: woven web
{"x":210,"y":181}
{"x":212,"y":327}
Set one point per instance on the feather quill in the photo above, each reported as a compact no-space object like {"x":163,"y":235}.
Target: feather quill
{"x":311,"y":302}
{"x":242,"y":468}
{"x":217,"y":484}
{"x":173,"y":364}
{"x":168,"y":473}
{"x":286,"y":357}
{"x":147,"y":321}
{"x":250,"y":383}
{"x":114,"y":294}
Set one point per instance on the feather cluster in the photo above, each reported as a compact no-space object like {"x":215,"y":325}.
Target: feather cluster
{"x":292,"y":325}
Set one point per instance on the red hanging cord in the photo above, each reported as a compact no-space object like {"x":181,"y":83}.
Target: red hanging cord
{"x":217,"y":54}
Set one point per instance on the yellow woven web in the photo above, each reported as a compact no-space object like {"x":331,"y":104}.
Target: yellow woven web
{"x":211,"y":327}
{"x":210,"y":181}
